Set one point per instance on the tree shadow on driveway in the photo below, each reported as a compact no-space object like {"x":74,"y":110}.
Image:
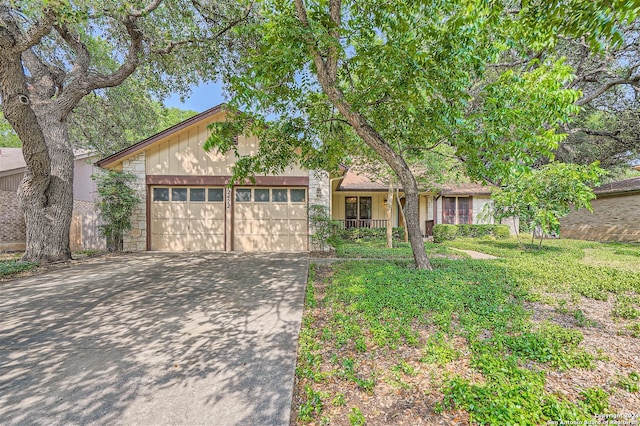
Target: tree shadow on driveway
{"x":153,"y":339}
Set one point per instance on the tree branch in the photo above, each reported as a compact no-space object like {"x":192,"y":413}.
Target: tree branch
{"x":606,"y":86}
{"x":35,"y":33}
{"x":142,"y":12}
{"x":83,"y":58}
{"x":86,"y":82}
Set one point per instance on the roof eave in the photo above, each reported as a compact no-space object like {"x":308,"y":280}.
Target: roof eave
{"x":131,"y":150}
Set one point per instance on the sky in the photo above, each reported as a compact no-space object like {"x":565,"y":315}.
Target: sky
{"x":202,"y":98}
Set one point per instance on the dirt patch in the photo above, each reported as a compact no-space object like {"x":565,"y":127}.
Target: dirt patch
{"x":609,"y":340}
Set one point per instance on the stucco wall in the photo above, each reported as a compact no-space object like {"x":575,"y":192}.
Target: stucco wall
{"x":136,"y":239}
{"x":12,"y":227}
{"x":614,"y":218}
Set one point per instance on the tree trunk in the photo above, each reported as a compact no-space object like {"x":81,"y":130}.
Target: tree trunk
{"x":389,"y":207}
{"x":404,"y":219}
{"x":326,"y":68}
{"x":48,"y":209}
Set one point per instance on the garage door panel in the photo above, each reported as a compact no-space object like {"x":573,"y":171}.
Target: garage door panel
{"x":243,"y":211}
{"x":206,"y":242}
{"x":280,"y":242}
{"x":280,"y":227}
{"x":242,"y":227}
{"x":206,"y":211}
{"x":206,"y":226}
{"x":261,"y":227}
{"x":298,"y":226}
{"x":279,"y":211}
{"x":169,"y":226}
{"x":243,"y":243}
{"x":179,"y":210}
{"x":173,"y":242}
{"x":298,"y":212}
{"x":298,"y":242}
{"x":160,"y":211}
{"x":261,"y":243}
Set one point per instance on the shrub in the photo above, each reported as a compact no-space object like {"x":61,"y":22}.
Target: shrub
{"x":324,"y":228}
{"x":444,"y":232}
{"x":484,"y":230}
{"x":502,"y":231}
{"x":355,"y":234}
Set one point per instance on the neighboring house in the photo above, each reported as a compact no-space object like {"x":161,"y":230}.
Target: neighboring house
{"x":615,"y":217}
{"x":84,"y":234}
{"x":356,"y":201}
{"x":188,"y":206}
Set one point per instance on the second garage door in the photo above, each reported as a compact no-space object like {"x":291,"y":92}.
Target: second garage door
{"x":270,"y":219}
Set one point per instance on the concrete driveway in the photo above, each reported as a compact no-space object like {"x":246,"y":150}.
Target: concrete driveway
{"x":153,"y":338}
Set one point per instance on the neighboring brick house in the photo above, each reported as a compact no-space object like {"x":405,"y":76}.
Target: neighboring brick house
{"x":84,"y":222}
{"x":615,"y":217}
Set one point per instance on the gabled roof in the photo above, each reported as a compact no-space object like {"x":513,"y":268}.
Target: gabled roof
{"x":135,"y":148}
{"x":618,"y":187}
{"x":353,"y":181}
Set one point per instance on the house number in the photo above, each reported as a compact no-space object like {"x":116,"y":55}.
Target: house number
{"x":228,"y":198}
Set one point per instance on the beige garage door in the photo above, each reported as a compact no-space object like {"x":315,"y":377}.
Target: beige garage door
{"x":187,"y":219}
{"x":270,"y":219}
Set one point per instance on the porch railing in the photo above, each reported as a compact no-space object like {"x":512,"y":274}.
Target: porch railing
{"x":363,"y":223}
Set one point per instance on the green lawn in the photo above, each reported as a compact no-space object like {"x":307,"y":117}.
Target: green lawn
{"x":9,"y":267}
{"x":461,"y":342}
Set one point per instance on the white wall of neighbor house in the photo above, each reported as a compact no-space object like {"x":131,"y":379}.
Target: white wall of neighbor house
{"x":480,"y":213}
{"x":136,"y":238}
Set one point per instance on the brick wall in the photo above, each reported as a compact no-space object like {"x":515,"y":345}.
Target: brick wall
{"x":136,"y":239}
{"x":12,"y":228}
{"x":614,"y":218}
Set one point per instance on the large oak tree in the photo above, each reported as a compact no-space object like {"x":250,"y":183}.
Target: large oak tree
{"x":54,"y":53}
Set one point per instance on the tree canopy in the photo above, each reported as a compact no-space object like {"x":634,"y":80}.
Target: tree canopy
{"x":55,"y":53}
{"x":326,"y":78}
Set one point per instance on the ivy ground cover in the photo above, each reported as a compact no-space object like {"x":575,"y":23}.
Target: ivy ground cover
{"x":538,"y":335}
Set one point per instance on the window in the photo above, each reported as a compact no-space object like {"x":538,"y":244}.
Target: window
{"x":243,"y":195}
{"x":261,"y":195}
{"x":279,"y":195}
{"x":449,"y":210}
{"x":216,"y":195}
{"x":351,"y":208}
{"x":463,"y":210}
{"x":456,"y":210}
{"x":298,"y":195}
{"x":178,"y":194}
{"x":357,"y":211}
{"x":365,"y":207}
{"x":197,"y":194}
{"x":160,"y":194}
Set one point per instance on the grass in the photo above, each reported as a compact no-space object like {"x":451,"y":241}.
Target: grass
{"x":11,"y":267}
{"x":376,"y":249}
{"x":472,"y":309}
